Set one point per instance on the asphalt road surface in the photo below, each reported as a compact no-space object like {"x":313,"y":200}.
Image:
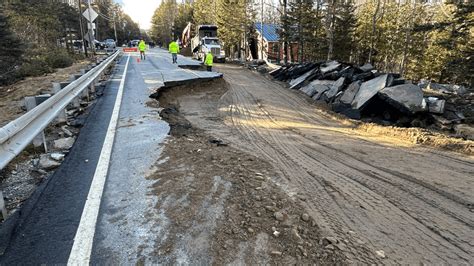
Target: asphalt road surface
{"x":50,"y":224}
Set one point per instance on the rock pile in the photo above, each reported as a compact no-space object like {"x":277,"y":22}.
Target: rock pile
{"x":363,"y":92}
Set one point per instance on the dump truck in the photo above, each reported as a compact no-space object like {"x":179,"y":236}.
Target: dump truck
{"x":204,"y":40}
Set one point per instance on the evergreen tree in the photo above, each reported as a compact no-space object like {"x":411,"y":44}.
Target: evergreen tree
{"x":232,"y":21}
{"x":460,"y":63}
{"x":184,"y":16}
{"x":205,"y":12}
{"x":300,"y":26}
{"x":10,"y":50}
{"x":345,"y":24}
{"x":163,"y":22}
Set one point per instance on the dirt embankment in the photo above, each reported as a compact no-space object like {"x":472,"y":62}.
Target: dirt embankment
{"x":223,"y":203}
{"x":11,"y":97}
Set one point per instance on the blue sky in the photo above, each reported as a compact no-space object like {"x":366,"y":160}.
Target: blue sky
{"x":140,"y":11}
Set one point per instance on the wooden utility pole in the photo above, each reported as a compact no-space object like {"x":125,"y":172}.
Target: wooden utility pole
{"x":115,"y":27}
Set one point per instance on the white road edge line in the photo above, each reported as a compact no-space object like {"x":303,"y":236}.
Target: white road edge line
{"x":83,"y":241}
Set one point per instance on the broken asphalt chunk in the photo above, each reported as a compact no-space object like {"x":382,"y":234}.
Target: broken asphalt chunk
{"x":408,"y":98}
{"x":435,"y":105}
{"x":298,"y":82}
{"x":334,"y":89}
{"x":368,"y":90}
{"x":350,"y":92}
{"x":329,"y":67}
{"x":366,"y":67}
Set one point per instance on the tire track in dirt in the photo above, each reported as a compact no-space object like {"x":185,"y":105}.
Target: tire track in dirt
{"x":330,"y":222}
{"x":411,"y":218}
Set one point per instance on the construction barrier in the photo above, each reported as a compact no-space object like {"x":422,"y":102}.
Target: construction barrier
{"x":129,"y":50}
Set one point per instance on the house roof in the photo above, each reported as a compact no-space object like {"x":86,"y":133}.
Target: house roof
{"x":269,"y":31}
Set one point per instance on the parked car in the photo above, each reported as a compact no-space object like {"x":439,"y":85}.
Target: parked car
{"x":99,"y":45}
{"x":110,"y":43}
{"x":134,"y":43}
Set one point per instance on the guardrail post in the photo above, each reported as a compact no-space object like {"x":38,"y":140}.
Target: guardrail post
{"x":30,"y":103}
{"x":3,"y":208}
{"x":76,"y":102}
{"x":85,"y":93}
{"x":62,"y":117}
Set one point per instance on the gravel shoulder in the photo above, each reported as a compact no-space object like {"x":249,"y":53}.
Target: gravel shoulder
{"x":384,"y":196}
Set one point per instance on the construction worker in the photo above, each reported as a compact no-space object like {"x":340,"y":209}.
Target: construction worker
{"x":208,"y":61}
{"x":174,"y":50}
{"x":142,"y":47}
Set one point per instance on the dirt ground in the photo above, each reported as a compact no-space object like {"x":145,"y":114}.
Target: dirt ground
{"x":11,"y":97}
{"x":223,"y":204}
{"x":380,"y":195}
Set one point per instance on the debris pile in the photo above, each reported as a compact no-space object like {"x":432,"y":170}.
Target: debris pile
{"x":361,"y":92}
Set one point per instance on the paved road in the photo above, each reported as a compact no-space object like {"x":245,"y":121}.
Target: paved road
{"x":49,"y":223}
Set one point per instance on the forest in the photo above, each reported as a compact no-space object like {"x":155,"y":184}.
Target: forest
{"x":37,"y":36}
{"x":418,"y":39}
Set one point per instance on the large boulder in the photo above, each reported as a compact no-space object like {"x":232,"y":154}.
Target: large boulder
{"x":408,"y":98}
{"x":368,"y":90}
{"x":350,"y":92}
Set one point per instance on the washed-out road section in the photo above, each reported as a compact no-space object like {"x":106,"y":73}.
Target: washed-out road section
{"x":49,"y":220}
{"x":408,"y":204}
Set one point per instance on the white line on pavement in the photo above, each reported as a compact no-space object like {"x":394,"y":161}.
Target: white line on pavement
{"x":83,"y":241}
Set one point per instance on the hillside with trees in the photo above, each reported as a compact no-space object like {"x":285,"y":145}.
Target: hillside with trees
{"x":37,"y":36}
{"x":413,"y":38}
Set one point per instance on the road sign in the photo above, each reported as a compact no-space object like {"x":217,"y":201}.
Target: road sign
{"x":92,"y":16}
{"x":89,"y":26}
{"x":88,"y":36}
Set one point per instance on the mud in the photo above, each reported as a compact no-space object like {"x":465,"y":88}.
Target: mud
{"x":380,"y":193}
{"x":221,"y":201}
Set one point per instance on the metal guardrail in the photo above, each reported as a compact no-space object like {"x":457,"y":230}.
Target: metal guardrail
{"x":19,"y":133}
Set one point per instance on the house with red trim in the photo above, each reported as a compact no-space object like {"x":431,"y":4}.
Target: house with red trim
{"x":272,"y":46}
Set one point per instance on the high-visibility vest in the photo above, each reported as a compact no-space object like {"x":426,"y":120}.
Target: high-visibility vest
{"x":209,"y":59}
{"x":174,"y":48}
{"x":142,"y":46}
